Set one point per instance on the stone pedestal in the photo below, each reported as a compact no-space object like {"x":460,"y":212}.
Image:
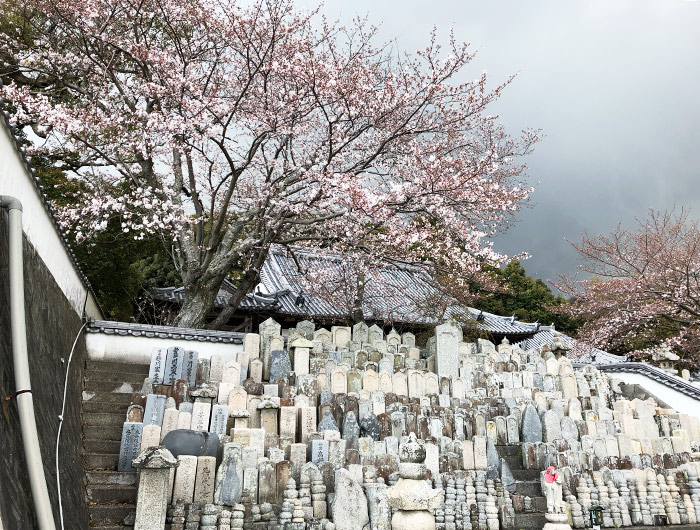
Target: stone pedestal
{"x":556,"y":521}
{"x":152,"y":500}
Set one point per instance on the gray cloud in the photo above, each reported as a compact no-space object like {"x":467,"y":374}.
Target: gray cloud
{"x":615,"y":86}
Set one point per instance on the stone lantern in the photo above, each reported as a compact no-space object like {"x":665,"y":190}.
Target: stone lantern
{"x":558,"y":348}
{"x":666,"y":359}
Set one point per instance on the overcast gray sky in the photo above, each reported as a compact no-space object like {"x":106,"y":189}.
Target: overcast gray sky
{"x":613,"y":84}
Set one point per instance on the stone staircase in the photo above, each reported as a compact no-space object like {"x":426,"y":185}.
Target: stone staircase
{"x":107,"y":393}
{"x":527,"y":485}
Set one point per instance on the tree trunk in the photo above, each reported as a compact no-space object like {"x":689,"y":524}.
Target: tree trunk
{"x":357,"y":312}
{"x":247,"y":284}
{"x":199,"y":301}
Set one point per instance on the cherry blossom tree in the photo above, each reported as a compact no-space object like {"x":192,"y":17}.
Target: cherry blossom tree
{"x":644,"y":286}
{"x":234,"y":126}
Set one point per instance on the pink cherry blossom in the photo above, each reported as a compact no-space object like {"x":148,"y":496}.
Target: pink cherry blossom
{"x":232,"y":126}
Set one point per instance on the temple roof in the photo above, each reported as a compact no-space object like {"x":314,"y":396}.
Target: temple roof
{"x":396,"y":294}
{"x":578,"y":353}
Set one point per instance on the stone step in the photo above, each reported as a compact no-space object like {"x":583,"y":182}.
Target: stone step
{"x":101,"y":461}
{"x":530,"y":488}
{"x":106,"y":407}
{"x":539,"y":503}
{"x":104,"y":419}
{"x":109,"y":514}
{"x":526,"y":474}
{"x":508,"y":450}
{"x":106,"y":432}
{"x":529,"y":521}
{"x":115,"y":387}
{"x":107,"y":397}
{"x":100,"y":446}
{"x":107,"y":366}
{"x":115,"y":377}
{"x":515,"y":462}
{"x":110,"y":494}
{"x":112,"y":478}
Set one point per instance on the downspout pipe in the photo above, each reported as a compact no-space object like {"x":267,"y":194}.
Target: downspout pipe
{"x":23,"y":393}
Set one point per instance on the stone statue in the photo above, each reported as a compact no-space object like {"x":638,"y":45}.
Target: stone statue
{"x":556,"y":508}
{"x":553,"y":491}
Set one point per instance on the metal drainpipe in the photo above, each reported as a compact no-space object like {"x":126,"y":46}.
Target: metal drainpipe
{"x":25,"y":402}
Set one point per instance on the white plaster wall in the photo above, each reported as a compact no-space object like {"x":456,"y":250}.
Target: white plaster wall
{"x":15,"y":180}
{"x":677,"y":400}
{"x":137,"y":350}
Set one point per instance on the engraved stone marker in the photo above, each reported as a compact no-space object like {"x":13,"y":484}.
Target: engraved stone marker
{"x":155,"y":407}
{"x":446,"y":350}
{"x":219,"y":419}
{"x":189,"y":367}
{"x":157,"y":369}
{"x":205,"y":480}
{"x":185,"y":476}
{"x":280,"y":365}
{"x":130,"y":445}
{"x":200,"y":416}
{"x":173,"y":365}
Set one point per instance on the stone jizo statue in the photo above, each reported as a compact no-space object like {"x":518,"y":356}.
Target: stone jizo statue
{"x":553,"y":491}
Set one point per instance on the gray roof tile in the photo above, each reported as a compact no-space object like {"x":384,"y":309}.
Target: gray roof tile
{"x":409,"y":288}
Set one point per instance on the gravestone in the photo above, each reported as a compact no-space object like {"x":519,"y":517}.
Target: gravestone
{"x":408,"y":339}
{"x":327,"y":423}
{"x":341,"y":336}
{"x":200,"y":416}
{"x":531,"y":425}
{"x":229,"y":477}
{"x":306,"y":329}
{"x":350,"y":510}
{"x":447,"y":338}
{"x":150,"y":436}
{"x":189,"y":367}
{"x":360,"y":333}
{"x":205,"y":480}
{"x":251,"y":345}
{"x":370,"y":427}
{"x":219,"y":419}
{"x":269,"y":332}
{"x":130,"y":445}
{"x":288,"y":423}
{"x":232,"y":374}
{"x":216,"y":368}
{"x":393,"y":338}
{"x":376,"y":334}
{"x":170,"y":421}
{"x":173,"y":365}
{"x":350,"y":426}
{"x":156,"y":371}
{"x":551,"y":426}
{"x":569,"y":430}
{"x":317,"y":451}
{"x":185,"y":477}
{"x":155,"y":407}
{"x":280,"y":366}
{"x":323,"y":335}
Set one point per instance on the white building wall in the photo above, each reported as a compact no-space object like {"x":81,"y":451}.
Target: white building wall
{"x":137,"y":350}
{"x":17,"y":181}
{"x":683,"y":403}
